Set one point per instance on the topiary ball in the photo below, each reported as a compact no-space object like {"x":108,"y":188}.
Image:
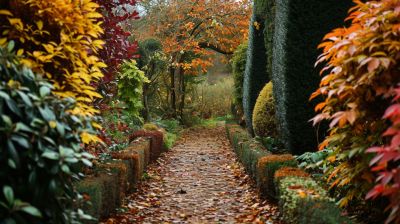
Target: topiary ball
{"x":264,"y":122}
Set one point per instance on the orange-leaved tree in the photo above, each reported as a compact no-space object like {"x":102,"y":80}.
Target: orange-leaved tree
{"x":191,"y":31}
{"x":361,"y":81}
{"x":60,"y":40}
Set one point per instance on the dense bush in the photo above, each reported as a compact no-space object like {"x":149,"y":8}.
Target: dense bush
{"x":299,"y":27}
{"x":266,"y":168}
{"x":255,"y":75}
{"x":41,"y":150}
{"x":361,"y":91}
{"x":238,"y":62}
{"x":264,"y":121}
{"x":303,"y":201}
{"x":130,"y":86}
{"x":58,"y":39}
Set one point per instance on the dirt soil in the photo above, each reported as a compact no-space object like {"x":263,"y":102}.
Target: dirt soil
{"x":197,"y":181}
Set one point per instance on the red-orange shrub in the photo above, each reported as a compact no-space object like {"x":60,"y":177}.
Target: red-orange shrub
{"x":361,"y":91}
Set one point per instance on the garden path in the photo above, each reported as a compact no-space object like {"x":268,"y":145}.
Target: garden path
{"x":197,"y":181}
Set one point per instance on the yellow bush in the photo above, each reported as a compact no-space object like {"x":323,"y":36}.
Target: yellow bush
{"x":59,"y":39}
{"x":264,"y":122}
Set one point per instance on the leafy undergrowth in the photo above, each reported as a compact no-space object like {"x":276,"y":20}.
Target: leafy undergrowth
{"x":198,"y":181}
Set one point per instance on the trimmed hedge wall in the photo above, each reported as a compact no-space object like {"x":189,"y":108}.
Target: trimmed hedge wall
{"x":299,"y":28}
{"x":255,"y":75}
{"x":157,"y":141}
{"x":266,"y":168}
{"x":301,"y":199}
{"x":106,"y":188}
{"x":269,"y":28}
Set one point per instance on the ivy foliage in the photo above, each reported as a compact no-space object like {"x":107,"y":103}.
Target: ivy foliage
{"x":41,"y":151}
{"x":360,"y":86}
{"x":130,"y":86}
{"x":60,"y":40}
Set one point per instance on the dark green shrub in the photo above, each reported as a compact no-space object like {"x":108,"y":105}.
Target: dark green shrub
{"x":266,"y":168}
{"x":41,"y":148}
{"x":264,"y":121}
{"x":299,"y":28}
{"x":255,"y":75}
{"x":269,"y":29}
{"x":321,"y":212}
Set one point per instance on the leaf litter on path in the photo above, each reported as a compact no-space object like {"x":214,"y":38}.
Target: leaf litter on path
{"x":197,"y":181}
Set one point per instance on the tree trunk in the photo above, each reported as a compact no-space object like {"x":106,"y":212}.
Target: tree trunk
{"x":182,"y":91}
{"x":173,"y":93}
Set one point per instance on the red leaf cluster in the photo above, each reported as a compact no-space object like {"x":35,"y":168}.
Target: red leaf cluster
{"x":118,"y":46}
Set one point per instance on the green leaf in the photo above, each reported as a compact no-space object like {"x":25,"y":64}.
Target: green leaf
{"x":51,"y":155}
{"x":22,"y":127}
{"x":13,"y":152}
{"x":31,"y":211}
{"x":13,"y":107}
{"x":47,"y":114}
{"x":25,"y":98}
{"x":21,"y":141}
{"x":11,"y":164}
{"x":7,"y":120}
{"x":44,"y":91}
{"x":60,"y":128}
{"x":8,"y":194}
{"x":4,"y":95}
{"x":65,"y":169}
{"x":87,"y":162}
{"x":10,"y":46}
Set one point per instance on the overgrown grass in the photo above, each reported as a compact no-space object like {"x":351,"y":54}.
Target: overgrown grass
{"x":212,"y":99}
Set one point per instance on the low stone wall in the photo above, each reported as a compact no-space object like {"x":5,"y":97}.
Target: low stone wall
{"x":301,"y":200}
{"x":104,"y":190}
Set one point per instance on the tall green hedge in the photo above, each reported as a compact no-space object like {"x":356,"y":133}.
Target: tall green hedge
{"x":255,"y":75}
{"x":269,"y":27}
{"x":299,"y":28}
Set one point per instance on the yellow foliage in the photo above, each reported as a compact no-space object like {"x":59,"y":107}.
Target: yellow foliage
{"x":59,"y":39}
{"x":264,"y":122}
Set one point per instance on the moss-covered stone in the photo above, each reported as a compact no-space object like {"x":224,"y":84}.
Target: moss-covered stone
{"x":266,"y":168}
{"x":135,"y":161}
{"x":156,"y":141}
{"x":102,"y":193}
{"x":120,"y":169}
{"x":264,"y":121}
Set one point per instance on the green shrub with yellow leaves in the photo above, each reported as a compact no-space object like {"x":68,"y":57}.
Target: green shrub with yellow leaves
{"x":58,"y":39}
